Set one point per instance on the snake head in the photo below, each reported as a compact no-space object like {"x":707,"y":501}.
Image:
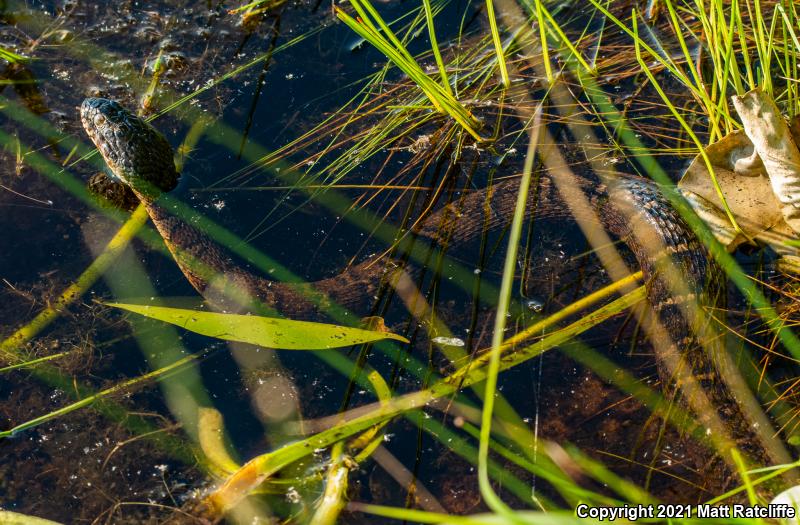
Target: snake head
{"x":137,"y":154}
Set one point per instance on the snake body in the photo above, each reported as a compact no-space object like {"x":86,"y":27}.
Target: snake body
{"x":141,"y":157}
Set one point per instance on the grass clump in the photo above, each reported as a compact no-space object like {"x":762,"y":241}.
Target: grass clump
{"x":372,"y":28}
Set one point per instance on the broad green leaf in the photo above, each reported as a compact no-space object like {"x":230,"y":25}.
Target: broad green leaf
{"x":271,"y":332}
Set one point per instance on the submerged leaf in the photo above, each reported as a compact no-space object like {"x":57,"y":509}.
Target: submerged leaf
{"x":213,"y":442}
{"x":271,"y":332}
{"x":13,"y":518}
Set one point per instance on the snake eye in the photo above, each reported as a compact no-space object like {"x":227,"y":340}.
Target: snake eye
{"x":99,"y":120}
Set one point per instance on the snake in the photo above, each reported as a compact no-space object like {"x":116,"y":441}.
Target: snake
{"x":141,"y":157}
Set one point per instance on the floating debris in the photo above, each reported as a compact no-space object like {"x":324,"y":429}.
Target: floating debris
{"x":448,"y":341}
{"x":534,"y":305}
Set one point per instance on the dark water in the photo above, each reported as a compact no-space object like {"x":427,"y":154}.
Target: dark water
{"x":104,"y":49}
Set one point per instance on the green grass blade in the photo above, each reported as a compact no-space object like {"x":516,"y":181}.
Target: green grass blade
{"x":99,"y":396}
{"x":12,"y":57}
{"x":435,"y":46}
{"x":539,"y":8}
{"x":509,"y":270}
{"x":562,"y":37}
{"x":498,"y":44}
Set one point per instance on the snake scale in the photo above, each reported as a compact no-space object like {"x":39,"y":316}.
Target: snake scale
{"x":140,"y":156}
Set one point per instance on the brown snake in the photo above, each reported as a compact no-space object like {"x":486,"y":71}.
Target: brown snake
{"x":141,"y":157}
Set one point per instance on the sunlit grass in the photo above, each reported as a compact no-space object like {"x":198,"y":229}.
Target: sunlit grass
{"x":371,"y":26}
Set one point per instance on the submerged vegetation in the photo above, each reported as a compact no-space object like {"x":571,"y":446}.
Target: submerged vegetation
{"x":502,"y":372}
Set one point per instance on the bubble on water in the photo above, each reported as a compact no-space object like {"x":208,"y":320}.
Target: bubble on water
{"x":534,"y":305}
{"x":292,"y":496}
{"x":448,"y":341}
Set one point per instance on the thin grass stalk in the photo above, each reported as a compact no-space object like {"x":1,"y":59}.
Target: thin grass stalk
{"x":791,"y":21}
{"x":626,"y":489}
{"x":724,"y":54}
{"x":757,"y":15}
{"x":34,"y":362}
{"x":731,"y":68}
{"x":772,"y":472}
{"x":736,"y":70}
{"x":498,"y":45}
{"x":10,"y":56}
{"x":158,"y":69}
{"x":786,"y":33}
{"x":509,"y":480}
{"x":492,"y":499}
{"x":768,"y":85}
{"x":538,"y":8}
{"x":435,"y":46}
{"x":743,"y":45}
{"x":572,"y":493}
{"x":746,"y":481}
{"x":370,"y":440}
{"x":422,"y":516}
{"x":598,"y":41}
{"x":361,"y":6}
{"x":711,"y":32}
{"x":562,"y":37}
{"x":100,"y":396}
{"x":247,"y":7}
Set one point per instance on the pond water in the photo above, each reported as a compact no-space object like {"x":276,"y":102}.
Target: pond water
{"x":259,"y":86}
